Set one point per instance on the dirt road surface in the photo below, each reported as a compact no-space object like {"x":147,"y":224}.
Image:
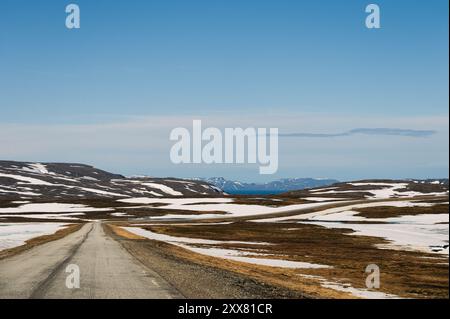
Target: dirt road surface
{"x":106,"y":270}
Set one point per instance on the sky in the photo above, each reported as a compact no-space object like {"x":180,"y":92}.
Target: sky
{"x":109,"y":93}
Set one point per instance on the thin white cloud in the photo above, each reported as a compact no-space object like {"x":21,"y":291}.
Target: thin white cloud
{"x":366,"y":131}
{"x":135,"y":145}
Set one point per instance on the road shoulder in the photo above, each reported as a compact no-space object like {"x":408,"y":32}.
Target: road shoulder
{"x":196,"y":280}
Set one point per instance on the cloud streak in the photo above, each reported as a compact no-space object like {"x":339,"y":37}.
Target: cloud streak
{"x":366,"y":131}
{"x":140,"y":145}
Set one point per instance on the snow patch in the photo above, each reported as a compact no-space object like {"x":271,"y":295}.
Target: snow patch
{"x":51,"y":208}
{"x":16,"y":234}
{"x":215,"y":205}
{"x":250,"y":257}
{"x":164,"y":189}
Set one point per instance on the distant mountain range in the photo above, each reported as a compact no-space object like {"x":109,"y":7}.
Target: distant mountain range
{"x":28,"y":181}
{"x":274,"y":187}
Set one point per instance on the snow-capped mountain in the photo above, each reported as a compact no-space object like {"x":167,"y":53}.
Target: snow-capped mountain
{"x":25,"y":180}
{"x":274,"y":187}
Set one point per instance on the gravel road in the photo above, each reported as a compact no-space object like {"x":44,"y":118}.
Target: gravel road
{"x":106,"y":270}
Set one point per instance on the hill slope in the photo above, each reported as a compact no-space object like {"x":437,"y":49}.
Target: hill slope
{"x":375,"y":189}
{"x":25,"y":180}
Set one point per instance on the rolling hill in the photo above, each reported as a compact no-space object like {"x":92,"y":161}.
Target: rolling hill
{"x":27,"y":180}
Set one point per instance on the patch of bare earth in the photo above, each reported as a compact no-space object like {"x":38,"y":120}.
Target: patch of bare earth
{"x":392,"y":211}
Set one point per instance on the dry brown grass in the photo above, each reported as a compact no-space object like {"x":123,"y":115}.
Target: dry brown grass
{"x":274,"y":276}
{"x":289,"y":279}
{"x":391,"y":211}
{"x":403,"y":273}
{"x":124,"y":233}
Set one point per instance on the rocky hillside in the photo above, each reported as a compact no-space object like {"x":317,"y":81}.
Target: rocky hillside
{"x":376,"y":189}
{"x":25,"y":180}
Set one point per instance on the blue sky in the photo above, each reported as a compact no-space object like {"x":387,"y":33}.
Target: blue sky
{"x":132,"y":61}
